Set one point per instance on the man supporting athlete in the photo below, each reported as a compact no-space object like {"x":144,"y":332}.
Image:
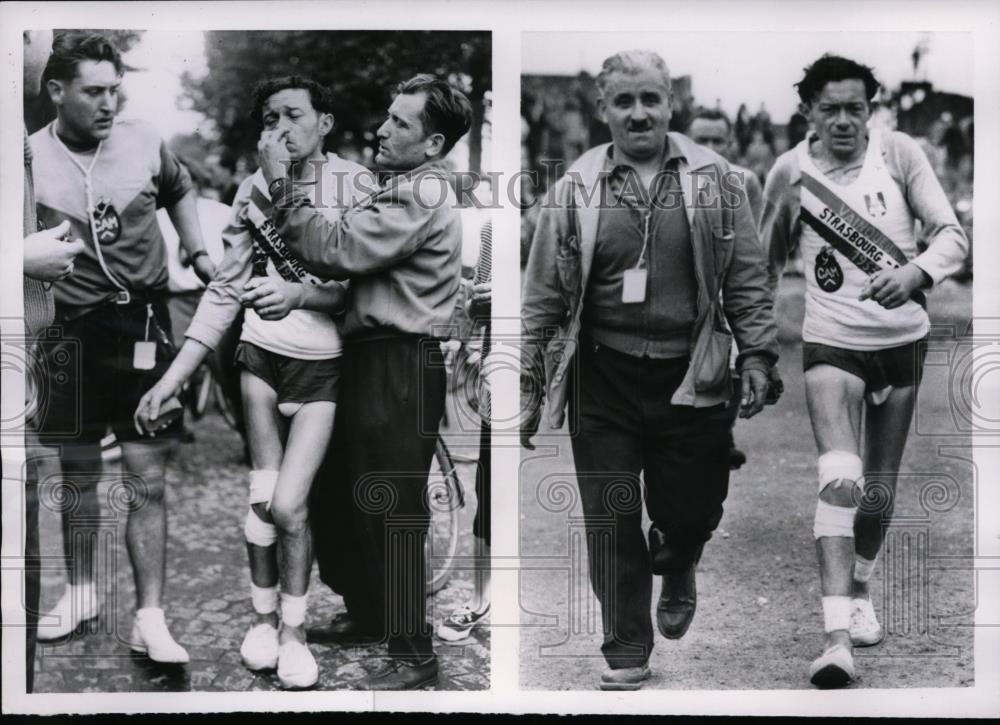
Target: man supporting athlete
{"x":106,"y":177}
{"x":401,"y":250}
{"x":289,"y":355}
{"x":849,"y":197}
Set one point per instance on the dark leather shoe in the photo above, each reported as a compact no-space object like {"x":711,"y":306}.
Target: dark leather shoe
{"x":678,"y":599}
{"x":343,"y":630}
{"x":397,"y":675}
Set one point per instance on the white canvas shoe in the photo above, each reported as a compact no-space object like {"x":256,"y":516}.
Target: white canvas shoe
{"x":259,"y":650}
{"x":77,"y":604}
{"x":865,"y":629}
{"x":834,"y":668}
{"x":297,"y":668}
{"x":151,"y":637}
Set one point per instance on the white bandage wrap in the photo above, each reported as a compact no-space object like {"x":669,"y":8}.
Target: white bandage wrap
{"x":863,"y":568}
{"x":259,"y":532}
{"x":265,"y":599}
{"x":262,"y":485}
{"x":840,"y":465}
{"x":833,"y":520}
{"x":836,"y":613}
{"x":293,"y":610}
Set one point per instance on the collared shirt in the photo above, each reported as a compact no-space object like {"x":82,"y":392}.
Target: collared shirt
{"x":637,"y":230}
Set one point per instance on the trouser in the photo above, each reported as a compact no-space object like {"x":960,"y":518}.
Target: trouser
{"x":392,"y":408}
{"x":627,"y":425}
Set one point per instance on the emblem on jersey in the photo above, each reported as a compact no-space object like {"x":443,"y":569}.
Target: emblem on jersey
{"x":829,"y":275}
{"x":106,"y":222}
{"x":875,"y":205}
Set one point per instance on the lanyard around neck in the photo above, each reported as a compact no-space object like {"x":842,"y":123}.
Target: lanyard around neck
{"x":91,"y":209}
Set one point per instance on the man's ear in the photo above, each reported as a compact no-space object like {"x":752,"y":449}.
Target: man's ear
{"x":326,"y":123}
{"x":602,"y":110}
{"x":55,"y":89}
{"x":805,"y":109}
{"x":433,"y":145}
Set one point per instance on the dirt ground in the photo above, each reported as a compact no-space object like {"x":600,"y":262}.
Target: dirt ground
{"x":759,"y":621}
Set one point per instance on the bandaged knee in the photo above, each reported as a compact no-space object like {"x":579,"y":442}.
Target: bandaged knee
{"x":265,"y":599}
{"x":262,"y":485}
{"x":836,"y":613}
{"x":836,"y":467}
{"x":293,"y":610}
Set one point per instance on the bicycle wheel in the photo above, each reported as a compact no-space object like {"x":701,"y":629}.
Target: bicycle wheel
{"x":445,"y":499}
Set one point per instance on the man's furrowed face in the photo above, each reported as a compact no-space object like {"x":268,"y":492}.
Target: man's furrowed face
{"x":88,"y":104}
{"x":403,"y":142}
{"x":839,"y":115}
{"x":636,"y":107}
{"x":290,"y":112}
{"x":713,"y":133}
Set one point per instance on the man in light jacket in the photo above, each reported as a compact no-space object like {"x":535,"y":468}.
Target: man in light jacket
{"x":644,"y":265}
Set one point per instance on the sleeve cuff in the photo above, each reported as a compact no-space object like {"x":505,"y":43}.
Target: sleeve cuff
{"x":754,"y":362}
{"x":200,"y":332}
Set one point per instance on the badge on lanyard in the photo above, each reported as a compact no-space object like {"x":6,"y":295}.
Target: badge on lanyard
{"x":634,"y":285}
{"x":826,"y":269}
{"x":144,"y":353}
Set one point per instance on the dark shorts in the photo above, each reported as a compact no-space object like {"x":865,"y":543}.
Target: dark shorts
{"x":897,"y":366}
{"x":90,"y":382}
{"x":294,"y":380}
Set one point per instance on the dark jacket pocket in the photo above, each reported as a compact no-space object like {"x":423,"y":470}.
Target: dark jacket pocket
{"x":714,"y":366}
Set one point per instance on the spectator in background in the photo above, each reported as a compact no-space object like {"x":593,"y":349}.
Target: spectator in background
{"x":713,"y":129}
{"x":743,"y":128}
{"x":798,"y":127}
{"x":759,"y":156}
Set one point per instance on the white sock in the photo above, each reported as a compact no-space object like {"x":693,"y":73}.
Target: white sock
{"x":148,"y":613}
{"x":863,"y":568}
{"x":836,"y":613}
{"x":265,"y":599}
{"x":293,"y":610}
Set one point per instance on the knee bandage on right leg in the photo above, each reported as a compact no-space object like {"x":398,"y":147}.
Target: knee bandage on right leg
{"x":257,"y":531}
{"x":835,"y":467}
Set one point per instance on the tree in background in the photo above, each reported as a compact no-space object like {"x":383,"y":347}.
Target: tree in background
{"x":38,"y":110}
{"x":361,"y":68}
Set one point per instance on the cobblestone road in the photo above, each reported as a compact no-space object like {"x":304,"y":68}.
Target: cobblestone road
{"x":207,"y":592}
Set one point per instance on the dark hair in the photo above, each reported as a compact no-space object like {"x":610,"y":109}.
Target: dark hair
{"x":319,"y":96}
{"x":446,"y":110}
{"x":69,"y":49}
{"x":831,"y":68}
{"x":711,"y":114}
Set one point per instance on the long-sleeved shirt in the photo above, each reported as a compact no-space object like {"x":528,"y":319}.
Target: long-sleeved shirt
{"x":400,"y":247}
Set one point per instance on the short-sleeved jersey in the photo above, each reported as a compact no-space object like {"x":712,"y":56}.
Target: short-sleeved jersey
{"x":132,"y":176}
{"x":866,"y":219}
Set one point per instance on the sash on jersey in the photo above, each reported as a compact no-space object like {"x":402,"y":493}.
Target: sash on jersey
{"x":844,"y":229}
{"x":268,"y":244}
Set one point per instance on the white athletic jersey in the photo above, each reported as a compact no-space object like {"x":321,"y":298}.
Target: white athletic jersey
{"x":857,"y":219}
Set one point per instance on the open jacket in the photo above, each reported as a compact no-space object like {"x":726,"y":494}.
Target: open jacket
{"x":728,"y":259}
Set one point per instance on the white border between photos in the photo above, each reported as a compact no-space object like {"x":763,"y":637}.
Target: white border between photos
{"x":507,"y":20}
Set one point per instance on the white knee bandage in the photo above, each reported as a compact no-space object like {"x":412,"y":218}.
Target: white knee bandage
{"x":836,"y":613}
{"x":840,"y":465}
{"x":863,"y":568}
{"x":834,"y":468}
{"x":262,"y":485}
{"x":259,"y":532}
{"x":293,"y":610}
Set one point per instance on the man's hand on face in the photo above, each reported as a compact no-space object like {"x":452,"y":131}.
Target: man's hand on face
{"x":893,"y":287}
{"x":271,"y":298}
{"x":272,"y":154}
{"x":49,"y":254}
{"x":754,"y":392}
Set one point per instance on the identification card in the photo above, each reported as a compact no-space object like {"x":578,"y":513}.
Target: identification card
{"x":144,"y":356}
{"x":634,"y":285}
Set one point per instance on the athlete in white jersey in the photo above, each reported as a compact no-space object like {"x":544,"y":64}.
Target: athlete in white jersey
{"x":289,"y":358}
{"x":849,"y":197}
